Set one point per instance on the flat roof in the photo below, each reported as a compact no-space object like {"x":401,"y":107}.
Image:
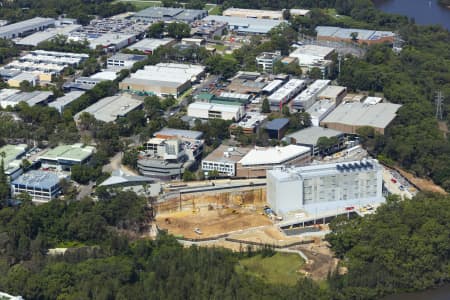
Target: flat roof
{"x":251,"y":120}
{"x":41,"y":36}
{"x":27,"y":23}
{"x":215,"y":106}
{"x":38,"y":179}
{"x":345,"y":33}
{"x":249,"y":25}
{"x":104,"y":75}
{"x":66,"y":99}
{"x":227,"y":154}
{"x":126,"y":56}
{"x":332,"y":91}
{"x":169,"y":13}
{"x":288,"y":90}
{"x":180,"y":133}
{"x":169,"y":73}
{"x":273,"y":155}
{"x":312,"y":50}
{"x":312,"y":91}
{"x":74,"y":152}
{"x":277,"y":124}
{"x":310,"y":135}
{"x":253,"y":13}
{"x":150,"y":44}
{"x":107,"y":39}
{"x":110,"y":108}
{"x":360,"y":114}
{"x":12,"y":152}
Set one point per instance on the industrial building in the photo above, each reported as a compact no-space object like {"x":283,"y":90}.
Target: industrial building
{"x":267,"y":60}
{"x":277,"y":128}
{"x":247,"y":83}
{"x":42,"y":186}
{"x":32,"y":79}
{"x":285,"y":93}
{"x":112,"y":42}
{"x":25,"y":28}
{"x":48,"y":34}
{"x":110,"y":108}
{"x":310,"y":136}
{"x":173,"y":133}
{"x":122,"y":61}
{"x":148,"y":46}
{"x":253,"y":13}
{"x":317,"y":189}
{"x":61,"y":103}
{"x":349,"y":117}
{"x":300,"y":12}
{"x":246,"y":25}
{"x":208,"y":29}
{"x":249,"y":123}
{"x":168,"y":158}
{"x":203,"y":110}
{"x":333,"y":93}
{"x":10,"y":97}
{"x":319,"y":110}
{"x":307,"y":98}
{"x":258,"y":160}
{"x":272,"y":87}
{"x":313,"y":56}
{"x":168,"y":14}
{"x":63,"y":157}
{"x":162,"y":79}
{"x":12,"y":159}
{"x":363,"y":36}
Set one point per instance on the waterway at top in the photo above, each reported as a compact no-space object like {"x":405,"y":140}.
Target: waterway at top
{"x":425,"y":12}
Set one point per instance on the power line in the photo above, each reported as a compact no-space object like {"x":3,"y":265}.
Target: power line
{"x":439,"y":101}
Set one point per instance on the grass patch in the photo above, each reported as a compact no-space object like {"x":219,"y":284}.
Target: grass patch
{"x":142,"y":4}
{"x":69,"y":244}
{"x":281,"y":268}
{"x":344,"y":20}
{"x":213,"y":9}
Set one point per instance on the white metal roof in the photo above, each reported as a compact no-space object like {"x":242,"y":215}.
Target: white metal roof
{"x":273,"y":155}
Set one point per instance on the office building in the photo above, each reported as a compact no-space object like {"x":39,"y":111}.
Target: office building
{"x":42,"y":186}
{"x":349,"y":117}
{"x":246,"y":83}
{"x":224,"y":160}
{"x":65,"y":156}
{"x":203,"y":110}
{"x":148,"y":46}
{"x":25,"y":28}
{"x":313,"y":56}
{"x":267,"y":60}
{"x":162,"y":79}
{"x":322,"y":188}
{"x":167,"y":14}
{"x":319,"y":110}
{"x":249,"y":123}
{"x":309,"y":137}
{"x":362,"y":36}
{"x":285,"y":93}
{"x":173,"y":133}
{"x":109,"y":109}
{"x":246,"y":25}
{"x":12,"y":159}
{"x":306,"y":98}
{"x":122,"y":61}
{"x":277,"y":127}
{"x":62,"y":102}
{"x":258,"y":160}
{"x":253,"y":13}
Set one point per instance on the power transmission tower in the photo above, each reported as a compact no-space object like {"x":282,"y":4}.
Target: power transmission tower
{"x":439,"y":101}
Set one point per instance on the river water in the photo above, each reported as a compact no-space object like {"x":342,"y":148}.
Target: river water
{"x":425,"y":12}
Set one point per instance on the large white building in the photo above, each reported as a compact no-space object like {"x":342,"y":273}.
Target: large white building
{"x":313,"y":56}
{"x":286,"y":93}
{"x":26,"y":27}
{"x":204,"y":110}
{"x":305,"y":99}
{"x":322,"y":188}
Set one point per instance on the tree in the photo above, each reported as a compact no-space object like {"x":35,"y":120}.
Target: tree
{"x":178,"y":30}
{"x":26,"y":86}
{"x":315,"y":73}
{"x":156,"y":30}
{"x":354,"y":36}
{"x":4,"y":187}
{"x":188,"y":176}
{"x":265,"y":108}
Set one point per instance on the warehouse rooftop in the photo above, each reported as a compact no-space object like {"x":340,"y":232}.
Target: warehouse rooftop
{"x":273,"y":155}
{"x":68,"y":152}
{"x":179,"y":133}
{"x":310,"y":135}
{"x":38,"y":179}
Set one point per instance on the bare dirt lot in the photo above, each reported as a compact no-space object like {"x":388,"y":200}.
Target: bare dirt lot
{"x":422,"y":184}
{"x":211,"y":222}
{"x":270,"y":235}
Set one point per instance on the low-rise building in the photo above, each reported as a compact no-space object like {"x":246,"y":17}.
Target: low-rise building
{"x":25,"y":28}
{"x":319,"y":110}
{"x":110,"y":108}
{"x":167,"y":14}
{"x":349,"y":117}
{"x":277,"y":128}
{"x":285,"y":93}
{"x":246,"y":83}
{"x":141,"y":185}
{"x":148,"y":46}
{"x":173,"y":133}
{"x":253,"y":13}
{"x":62,"y":102}
{"x":111,"y":42}
{"x":162,"y":79}
{"x":309,"y":137}
{"x":246,"y":25}
{"x":333,"y":93}
{"x":42,"y":186}
{"x":249,"y":123}
{"x":267,"y":60}
{"x":30,"y":98}
{"x":307,"y":97}
{"x":322,"y":188}
{"x":258,"y":160}
{"x":31,"y":78}
{"x":48,"y":34}
{"x":224,"y":159}
{"x":122,"y":61}
{"x":208,"y":29}
{"x":12,"y":159}
{"x":361,"y":36}
{"x":203,"y":110}
{"x":65,"y":156}
{"x":313,"y":56}
{"x":300,"y":12}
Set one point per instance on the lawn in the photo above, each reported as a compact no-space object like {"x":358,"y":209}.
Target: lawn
{"x":344,"y":20}
{"x":281,"y":268}
{"x":142,"y":4}
{"x":213,"y":9}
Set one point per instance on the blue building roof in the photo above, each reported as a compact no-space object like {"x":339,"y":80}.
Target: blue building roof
{"x":37,"y":179}
{"x":277,"y":124}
